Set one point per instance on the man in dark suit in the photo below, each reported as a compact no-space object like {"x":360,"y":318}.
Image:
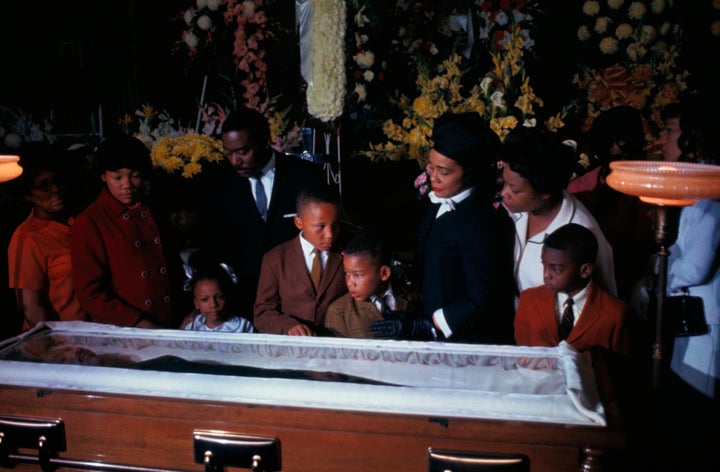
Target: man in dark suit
{"x":251,"y":200}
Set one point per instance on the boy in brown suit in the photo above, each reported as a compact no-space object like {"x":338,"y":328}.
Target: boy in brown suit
{"x":300,"y":278}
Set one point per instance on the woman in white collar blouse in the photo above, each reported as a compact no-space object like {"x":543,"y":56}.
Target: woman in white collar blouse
{"x":537,"y":169}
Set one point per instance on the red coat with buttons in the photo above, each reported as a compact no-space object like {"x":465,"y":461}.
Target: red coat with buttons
{"x":120,"y":271}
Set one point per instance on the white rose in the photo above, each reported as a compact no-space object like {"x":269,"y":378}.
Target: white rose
{"x":365,"y":59}
{"x":204,"y":23}
{"x":190,"y":39}
{"x":188,"y":16}
{"x":249,"y":7}
{"x":362,"y":93}
{"x":368,"y":75}
{"x":213,"y":4}
{"x":12,"y":140}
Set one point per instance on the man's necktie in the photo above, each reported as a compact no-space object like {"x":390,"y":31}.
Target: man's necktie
{"x":260,"y":197}
{"x":316,"y":269}
{"x":568,"y":319}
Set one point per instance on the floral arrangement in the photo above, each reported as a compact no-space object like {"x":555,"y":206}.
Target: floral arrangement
{"x":326,"y":90}
{"x":498,"y":19}
{"x":149,"y":124}
{"x":503,"y":96}
{"x":18,"y":127}
{"x":637,"y":46}
{"x":201,"y":22}
{"x":250,"y":28}
{"x":285,"y":134}
{"x":364,"y":71}
{"x":186,"y":154}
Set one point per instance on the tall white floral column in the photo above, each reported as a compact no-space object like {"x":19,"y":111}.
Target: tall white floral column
{"x":321,"y":26}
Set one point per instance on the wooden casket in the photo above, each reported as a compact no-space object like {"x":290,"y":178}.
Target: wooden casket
{"x":134,"y":396}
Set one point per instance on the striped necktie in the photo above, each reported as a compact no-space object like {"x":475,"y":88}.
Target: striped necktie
{"x":568,"y":319}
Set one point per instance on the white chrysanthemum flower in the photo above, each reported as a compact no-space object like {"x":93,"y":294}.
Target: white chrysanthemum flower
{"x":601,"y":24}
{"x":657,"y":6}
{"x":648,"y":33}
{"x":190,"y":39}
{"x":213,"y":5}
{"x":204,"y":23}
{"x":188,"y":17}
{"x":583,"y":33}
{"x":623,"y":31}
{"x":361,"y":92}
{"x":591,"y":8}
{"x":637,"y":10}
{"x":608,"y":45}
{"x":201,"y":4}
{"x":368,"y":75}
{"x":615,"y":4}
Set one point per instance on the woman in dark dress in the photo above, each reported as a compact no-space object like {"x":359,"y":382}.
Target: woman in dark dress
{"x":464,"y":253}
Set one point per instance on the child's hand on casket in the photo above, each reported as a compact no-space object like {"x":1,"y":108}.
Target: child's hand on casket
{"x":398,"y":325}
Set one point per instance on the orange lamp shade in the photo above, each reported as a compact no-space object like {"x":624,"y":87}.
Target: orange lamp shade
{"x":666,"y":183}
{"x":9,"y":168}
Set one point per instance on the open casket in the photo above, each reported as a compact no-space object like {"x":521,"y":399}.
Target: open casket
{"x":135,"y":396}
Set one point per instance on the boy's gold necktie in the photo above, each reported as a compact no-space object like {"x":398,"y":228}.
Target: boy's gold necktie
{"x":316,"y":269}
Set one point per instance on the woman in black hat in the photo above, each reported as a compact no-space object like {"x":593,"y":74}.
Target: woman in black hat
{"x":464,"y":253}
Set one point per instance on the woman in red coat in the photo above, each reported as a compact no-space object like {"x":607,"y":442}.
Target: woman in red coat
{"x":121,"y":275}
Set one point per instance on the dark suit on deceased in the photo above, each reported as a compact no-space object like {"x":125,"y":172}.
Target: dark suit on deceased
{"x":603,"y":323}
{"x":286,"y":295}
{"x":465,"y":261}
{"x":237,"y":234}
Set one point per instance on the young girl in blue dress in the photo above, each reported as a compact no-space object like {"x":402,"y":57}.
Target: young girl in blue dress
{"x":211,"y":288}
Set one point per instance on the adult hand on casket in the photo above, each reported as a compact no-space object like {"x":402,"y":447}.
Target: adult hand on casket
{"x":399,"y":325}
